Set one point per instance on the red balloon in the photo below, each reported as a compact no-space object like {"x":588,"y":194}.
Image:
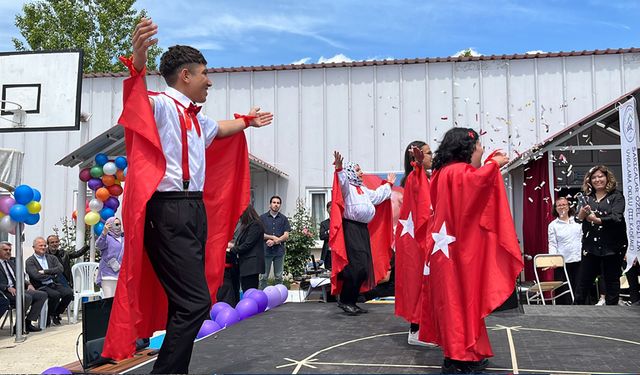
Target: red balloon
{"x":115,"y":190}
{"x":74,"y":215}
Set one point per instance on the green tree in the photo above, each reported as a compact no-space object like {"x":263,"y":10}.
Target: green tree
{"x":301,"y":240}
{"x":101,"y":28}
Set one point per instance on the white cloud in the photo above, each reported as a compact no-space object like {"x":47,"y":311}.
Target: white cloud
{"x":304,"y":60}
{"x":534,"y":52}
{"x":337,"y":58}
{"x":473,"y":52}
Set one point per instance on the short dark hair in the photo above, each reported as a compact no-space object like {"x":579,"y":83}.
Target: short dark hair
{"x":276,"y":197}
{"x":176,"y":58}
{"x":329,"y":205}
{"x":457,"y":145}
{"x":51,"y":235}
{"x":572,"y":208}
{"x":408,"y":158}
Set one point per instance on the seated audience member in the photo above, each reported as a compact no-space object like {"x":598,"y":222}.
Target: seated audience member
{"x":4,"y":304}
{"x":33,"y":299}
{"x":43,"y":269}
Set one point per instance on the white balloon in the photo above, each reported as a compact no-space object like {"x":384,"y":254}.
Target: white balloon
{"x":109,"y":168}
{"x":6,"y":224}
{"x":95,"y":205}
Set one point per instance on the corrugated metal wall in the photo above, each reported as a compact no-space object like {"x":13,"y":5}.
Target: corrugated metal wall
{"x":368,"y":113}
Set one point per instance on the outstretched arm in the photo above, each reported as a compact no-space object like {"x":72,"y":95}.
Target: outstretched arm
{"x":255,"y":119}
{"x":141,"y":41}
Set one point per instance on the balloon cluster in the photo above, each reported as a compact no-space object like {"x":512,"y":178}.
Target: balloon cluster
{"x":105,"y":179}
{"x":253,"y":302}
{"x":23,"y":207}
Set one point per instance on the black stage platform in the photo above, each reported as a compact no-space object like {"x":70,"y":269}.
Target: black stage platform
{"x":319,"y":338}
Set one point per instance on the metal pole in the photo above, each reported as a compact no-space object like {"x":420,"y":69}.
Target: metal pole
{"x":19,"y":284}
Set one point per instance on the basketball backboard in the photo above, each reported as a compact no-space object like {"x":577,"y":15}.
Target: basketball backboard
{"x":40,"y":90}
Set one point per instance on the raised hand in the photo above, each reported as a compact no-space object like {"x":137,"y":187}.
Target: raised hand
{"x":500,"y":158}
{"x":142,"y":40}
{"x":261,"y":118}
{"x":391,"y":177}
{"x":418,"y":156}
{"x":337,"y":160}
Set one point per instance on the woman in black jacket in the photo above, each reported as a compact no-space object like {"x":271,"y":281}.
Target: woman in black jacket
{"x":604,"y":234}
{"x":249,"y":247}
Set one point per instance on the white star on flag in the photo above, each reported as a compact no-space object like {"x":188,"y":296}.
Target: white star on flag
{"x":407,"y":226}
{"x":442,"y":240}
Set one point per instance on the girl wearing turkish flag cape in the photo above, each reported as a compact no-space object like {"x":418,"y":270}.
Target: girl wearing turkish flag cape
{"x":473,"y":257}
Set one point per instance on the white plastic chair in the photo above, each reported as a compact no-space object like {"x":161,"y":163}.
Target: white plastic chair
{"x":84,"y":282}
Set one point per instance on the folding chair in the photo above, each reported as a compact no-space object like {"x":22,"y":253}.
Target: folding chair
{"x":319,"y":279}
{"x":536,"y":293}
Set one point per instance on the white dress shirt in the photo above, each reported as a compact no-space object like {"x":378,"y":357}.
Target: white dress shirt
{"x":360,"y":207}
{"x":565,"y":238}
{"x":170,"y":132}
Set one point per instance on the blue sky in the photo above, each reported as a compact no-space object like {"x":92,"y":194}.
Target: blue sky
{"x":243,"y":33}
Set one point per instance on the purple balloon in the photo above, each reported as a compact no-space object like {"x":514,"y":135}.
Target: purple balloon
{"x":261,"y":298}
{"x":247,"y":308}
{"x":284,"y":292}
{"x":217,"y":307}
{"x":248,"y":292}
{"x":56,"y":370}
{"x":112,"y":202}
{"x":95,"y":184}
{"x":208,"y":327}
{"x":227,"y":317}
{"x":273,"y":295}
{"x":6,"y":203}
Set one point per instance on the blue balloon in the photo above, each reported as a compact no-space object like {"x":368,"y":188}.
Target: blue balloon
{"x":32,"y":219}
{"x":23,"y":194}
{"x":124,"y":171}
{"x":36,"y":195}
{"x":106,"y":213}
{"x":121,"y":162}
{"x":98,"y":227}
{"x":19,"y":212}
{"x":101,"y":159}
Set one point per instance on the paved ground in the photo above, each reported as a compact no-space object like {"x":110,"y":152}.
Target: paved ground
{"x":56,"y":346}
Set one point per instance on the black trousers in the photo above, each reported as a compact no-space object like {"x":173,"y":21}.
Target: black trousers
{"x":59,"y":297}
{"x":360,"y":267}
{"x":175,"y":234}
{"x":33,"y":302}
{"x":229,"y":291}
{"x":249,"y":281}
{"x":591,"y":266}
{"x":634,"y":287}
{"x":573,"y":270}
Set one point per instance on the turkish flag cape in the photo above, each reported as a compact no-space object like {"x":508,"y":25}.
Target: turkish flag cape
{"x":483,"y":260}
{"x":411,"y":246}
{"x":380,"y":232}
{"x":140,"y":304}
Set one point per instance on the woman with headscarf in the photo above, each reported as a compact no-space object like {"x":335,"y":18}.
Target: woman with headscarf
{"x":358,"y":210}
{"x":111,"y":246}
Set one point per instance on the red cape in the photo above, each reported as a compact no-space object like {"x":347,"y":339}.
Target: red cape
{"x":484,"y":259}
{"x":411,"y":248}
{"x":380,"y":230}
{"x":140,"y":304}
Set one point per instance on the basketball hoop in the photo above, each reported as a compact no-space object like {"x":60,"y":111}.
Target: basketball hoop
{"x":19,"y":114}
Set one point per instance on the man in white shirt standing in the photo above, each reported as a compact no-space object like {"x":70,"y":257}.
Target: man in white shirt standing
{"x":359,"y":210}
{"x":175,"y":219}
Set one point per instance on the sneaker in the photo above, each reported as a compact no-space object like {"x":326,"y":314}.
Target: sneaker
{"x":414,"y":340}
{"x":622,"y":302}
{"x":601,"y":302}
{"x":450,"y":366}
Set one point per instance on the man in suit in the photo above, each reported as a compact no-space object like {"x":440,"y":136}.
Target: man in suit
{"x":324,"y":236}
{"x":53,"y":248}
{"x":43,"y":269}
{"x":33,"y":299}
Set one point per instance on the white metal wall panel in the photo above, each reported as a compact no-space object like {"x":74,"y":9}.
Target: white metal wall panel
{"x":631,"y":71}
{"x":550,"y":97}
{"x":288,"y":133}
{"x":238,"y":99}
{"x":579,"y":78}
{"x":522,"y":111}
{"x":494,"y":100}
{"x":338,"y":117}
{"x":312,"y":147}
{"x":387,"y":121}
{"x":440,"y":105}
{"x":362,"y":145}
{"x":413,"y":106}
{"x":466,"y":95}
{"x":607,"y":79}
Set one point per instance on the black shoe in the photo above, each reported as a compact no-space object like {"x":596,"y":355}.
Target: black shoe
{"x":451,"y":366}
{"x":360,"y":310}
{"x":15,"y":329}
{"x":56,"y":320}
{"x":350,"y":309}
{"x":29,"y":327}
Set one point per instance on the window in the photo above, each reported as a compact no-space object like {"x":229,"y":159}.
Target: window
{"x":317,"y":199}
